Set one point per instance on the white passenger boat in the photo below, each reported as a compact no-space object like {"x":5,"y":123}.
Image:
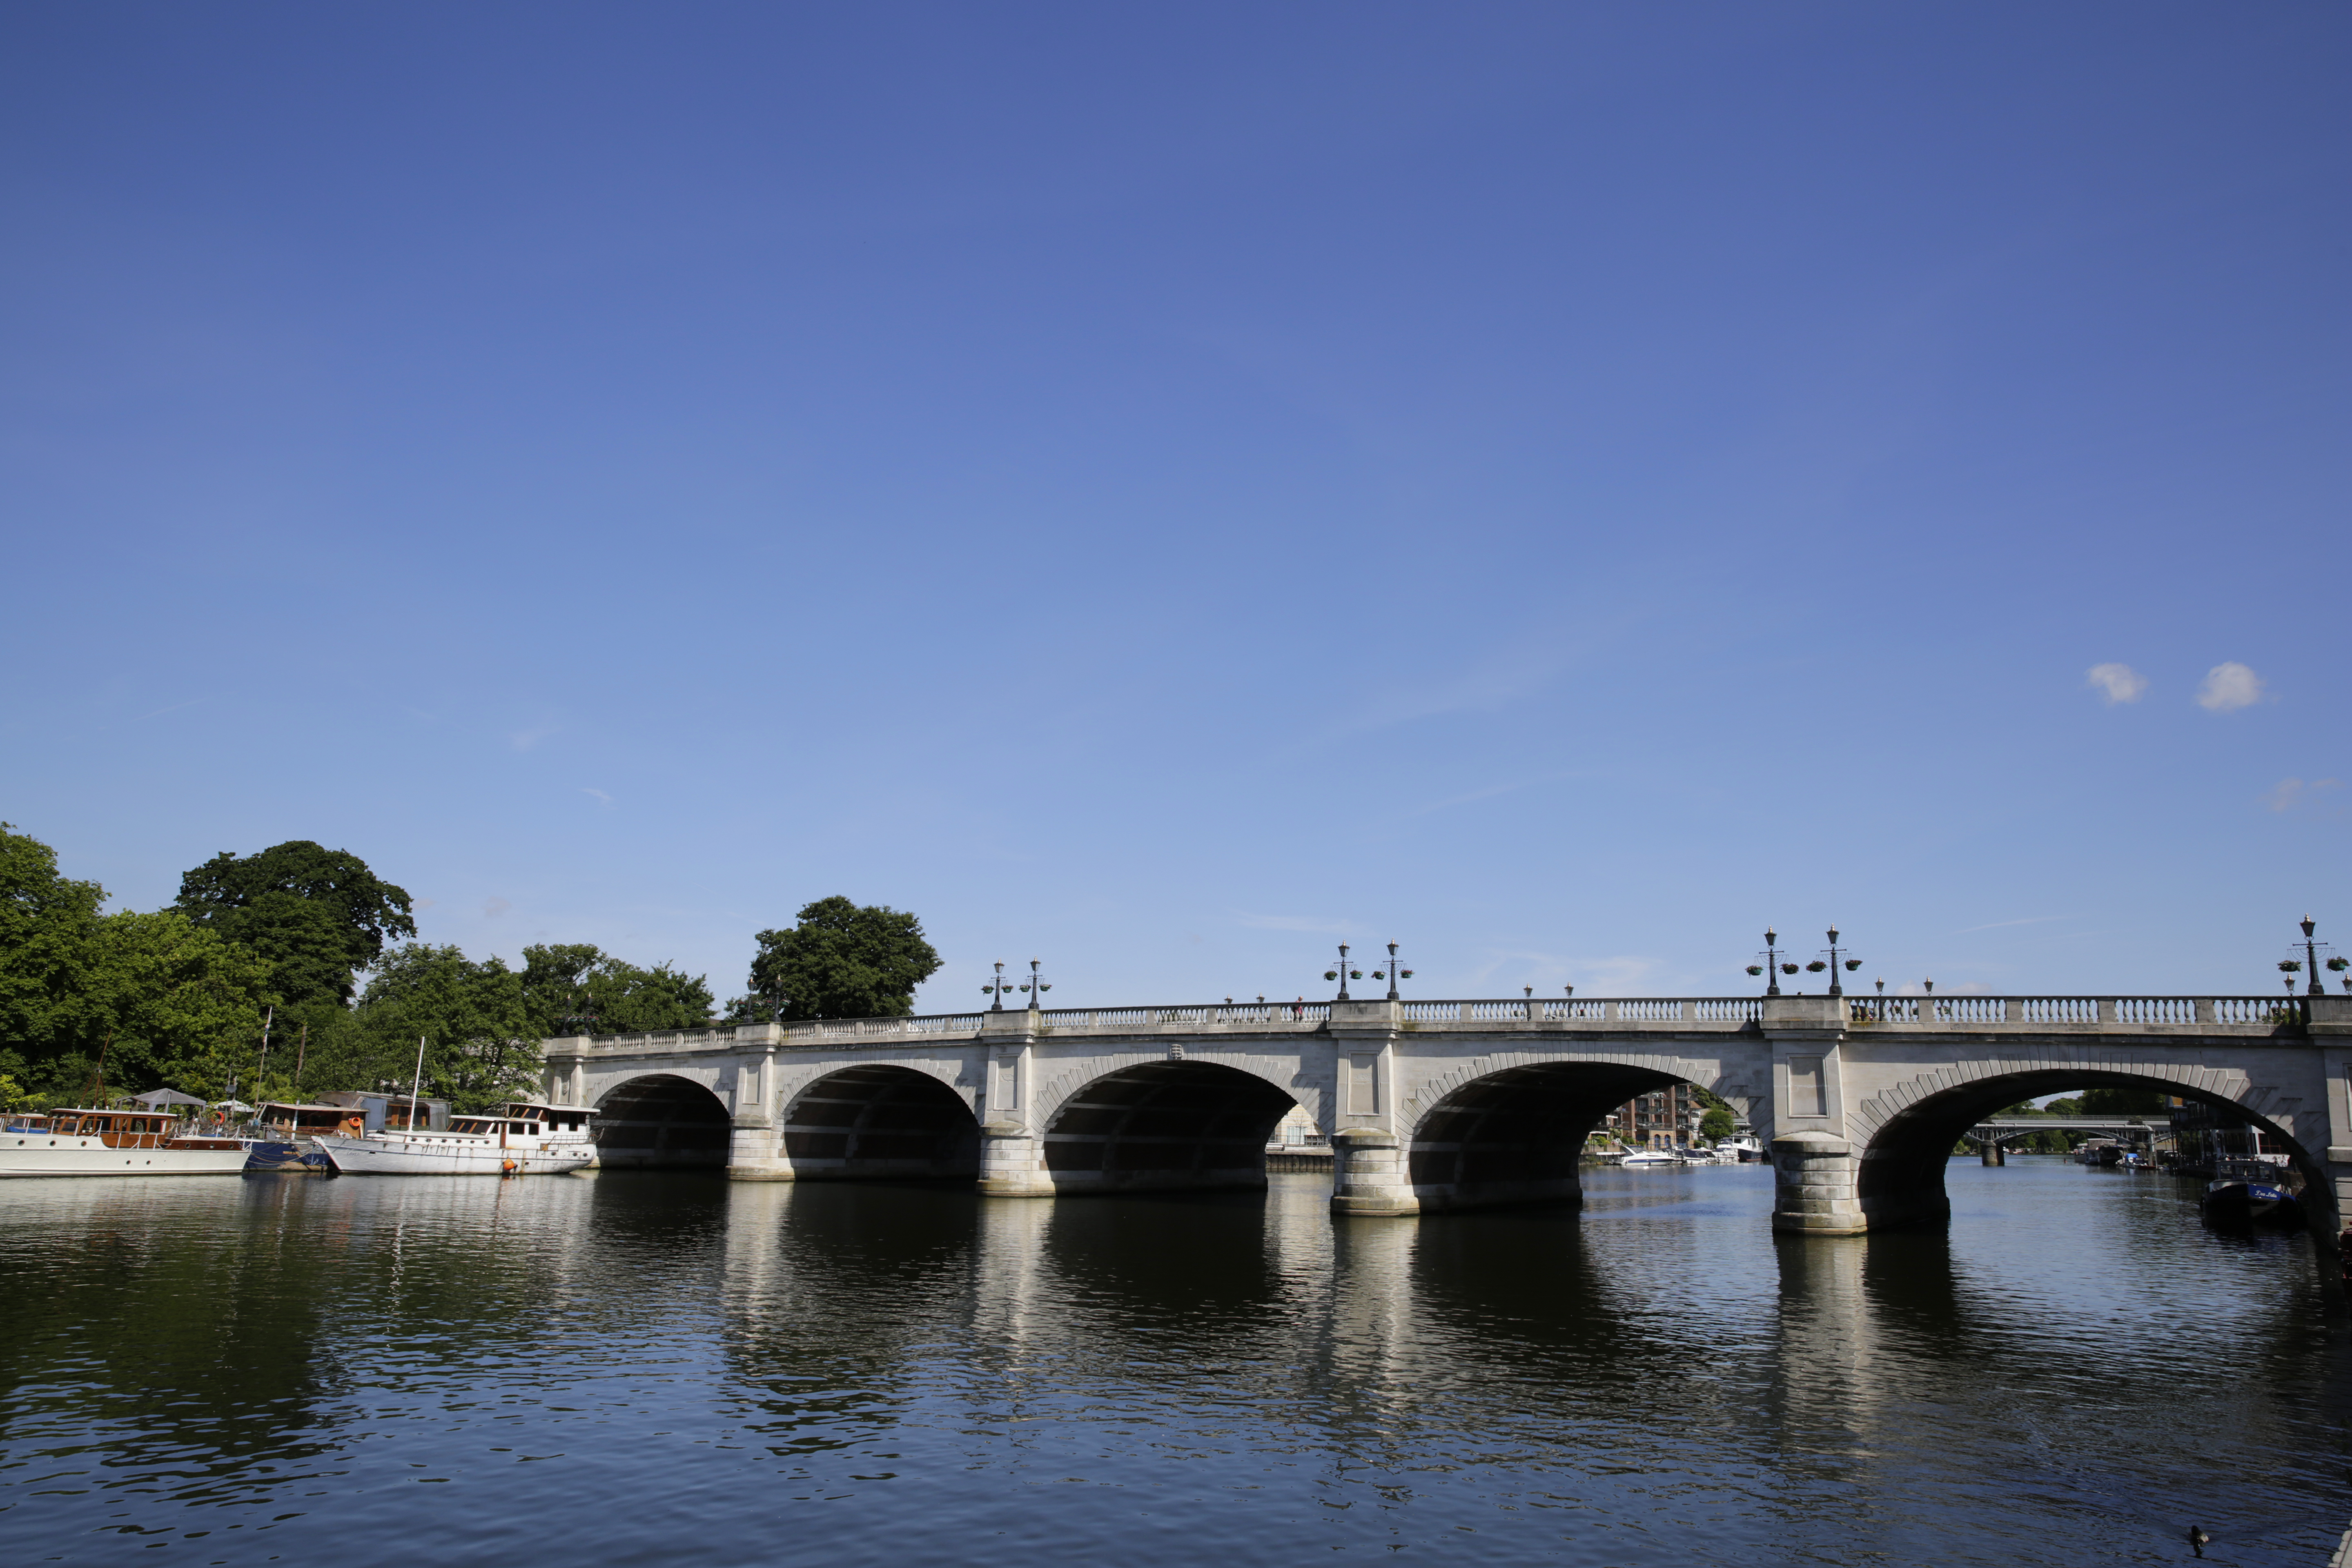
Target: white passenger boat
{"x":524,"y":1138}
{"x":1650,"y":1159}
{"x":86,"y":1142}
{"x":1743,"y":1147}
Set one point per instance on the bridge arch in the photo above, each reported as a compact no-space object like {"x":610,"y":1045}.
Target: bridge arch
{"x":879,"y":1120}
{"x":1899,"y":1179}
{"x":1178,"y":1123}
{"x":1514,"y":1132}
{"x":661,"y":1121}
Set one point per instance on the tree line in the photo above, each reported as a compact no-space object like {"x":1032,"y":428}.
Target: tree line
{"x":283,"y":972}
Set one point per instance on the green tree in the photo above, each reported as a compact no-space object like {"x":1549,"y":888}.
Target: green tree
{"x":179,"y":1005}
{"x":574,"y":988}
{"x":317,"y":915}
{"x":840,"y":961}
{"x":48,"y":925}
{"x":1715,"y":1123}
{"x":2118,"y":1101}
{"x":480,"y":1048}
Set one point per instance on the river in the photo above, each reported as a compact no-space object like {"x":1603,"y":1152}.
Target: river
{"x":654,"y":1368}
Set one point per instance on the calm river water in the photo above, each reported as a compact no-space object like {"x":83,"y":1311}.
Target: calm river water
{"x":657,"y":1369}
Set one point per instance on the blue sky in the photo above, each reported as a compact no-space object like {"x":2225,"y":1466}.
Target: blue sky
{"x":1165,"y":489}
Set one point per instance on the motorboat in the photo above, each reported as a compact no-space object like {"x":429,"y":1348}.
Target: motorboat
{"x":1743,"y":1148}
{"x":2248,"y":1193}
{"x":87,"y":1142}
{"x":521,"y":1138}
{"x":2100,"y":1152}
{"x":288,"y":1128}
{"x":1650,"y":1160}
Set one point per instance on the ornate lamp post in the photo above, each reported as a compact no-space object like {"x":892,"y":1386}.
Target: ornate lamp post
{"x":1851,"y":963}
{"x":1343,"y":974}
{"x":998,"y":989}
{"x":2309,"y":962}
{"x":1036,"y":987}
{"x":1391,"y":973}
{"x":1772,"y":965}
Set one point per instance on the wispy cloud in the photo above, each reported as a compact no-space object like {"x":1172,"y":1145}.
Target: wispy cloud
{"x":2292,"y":793}
{"x":174,"y":708}
{"x":2028,"y":920}
{"x":597,"y":795}
{"x":1294,"y":922}
{"x":2228,"y":687}
{"x":2116,"y":683}
{"x":496,"y":906}
{"x":524,"y":740}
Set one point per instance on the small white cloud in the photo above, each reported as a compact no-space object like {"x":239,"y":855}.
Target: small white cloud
{"x":424,"y":903}
{"x":599,"y":795}
{"x":496,"y":908}
{"x":524,"y":740}
{"x":2229,"y":686}
{"x":2292,"y":793}
{"x":2118,"y":683}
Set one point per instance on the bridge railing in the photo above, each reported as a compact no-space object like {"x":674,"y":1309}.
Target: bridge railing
{"x":1596,"y":1010}
{"x":2073,"y":1010}
{"x":1203,"y":1013}
{"x":884,"y":1028}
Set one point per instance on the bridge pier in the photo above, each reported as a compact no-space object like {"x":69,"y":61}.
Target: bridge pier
{"x":1369,"y":1175}
{"x":1012,"y":1162}
{"x":754,"y":1151}
{"x":1993,"y":1153}
{"x":1814,"y":1176}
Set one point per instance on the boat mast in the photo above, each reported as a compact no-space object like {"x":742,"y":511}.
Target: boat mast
{"x":415,"y":1082}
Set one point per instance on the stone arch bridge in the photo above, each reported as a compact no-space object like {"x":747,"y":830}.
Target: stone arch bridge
{"x":1441,"y":1105}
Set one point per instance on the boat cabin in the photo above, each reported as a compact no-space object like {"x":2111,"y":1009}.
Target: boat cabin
{"x":298,"y":1120}
{"x":555,"y":1117}
{"x":491,"y":1126}
{"x":24,"y":1121}
{"x":379,"y":1110}
{"x":117,"y":1129}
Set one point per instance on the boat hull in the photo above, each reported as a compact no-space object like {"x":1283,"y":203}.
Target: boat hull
{"x":397,"y":1155}
{"x":291,"y":1158}
{"x":2240,"y":1205}
{"x":42,"y":1155}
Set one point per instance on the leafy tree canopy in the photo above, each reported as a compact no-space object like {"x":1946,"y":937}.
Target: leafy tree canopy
{"x":316,"y":914}
{"x":2118,"y":1101}
{"x":480,"y":1048}
{"x":574,"y":988}
{"x":141,"y":999}
{"x":840,"y":961}
{"x":47,"y":925}
{"x":1717,"y":1123}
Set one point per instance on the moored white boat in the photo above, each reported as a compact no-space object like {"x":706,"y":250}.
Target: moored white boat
{"x":89,"y":1142}
{"x":1650,"y":1159}
{"x":524,"y":1138}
